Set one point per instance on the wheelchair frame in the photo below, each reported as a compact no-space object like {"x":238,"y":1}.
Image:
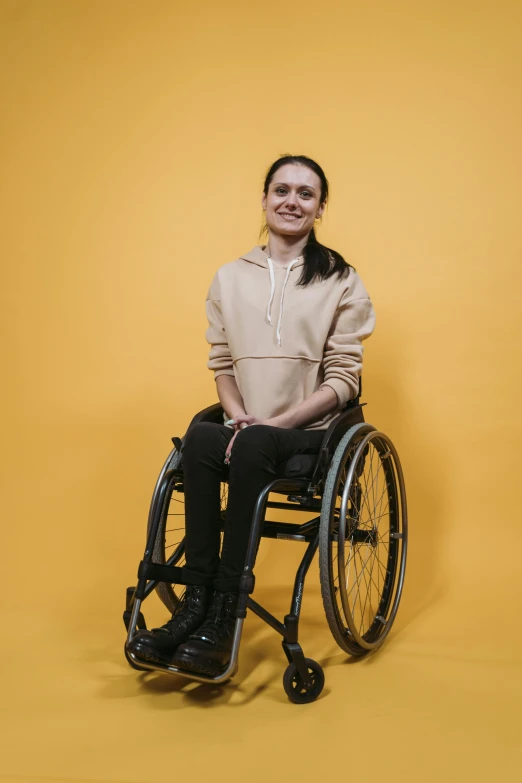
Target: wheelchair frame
{"x":302,"y":496}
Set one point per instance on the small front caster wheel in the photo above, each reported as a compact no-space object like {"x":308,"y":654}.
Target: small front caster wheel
{"x":295,"y":688}
{"x":131,"y":662}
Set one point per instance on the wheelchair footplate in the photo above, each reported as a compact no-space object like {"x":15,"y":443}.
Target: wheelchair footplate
{"x":134,"y":621}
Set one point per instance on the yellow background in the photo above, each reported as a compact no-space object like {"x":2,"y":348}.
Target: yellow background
{"x":135,"y":137}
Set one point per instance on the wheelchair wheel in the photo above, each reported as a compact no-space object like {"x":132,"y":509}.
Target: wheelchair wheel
{"x":170,"y":540}
{"x":171,"y":531}
{"x":363,"y":539}
{"x":294,"y":686}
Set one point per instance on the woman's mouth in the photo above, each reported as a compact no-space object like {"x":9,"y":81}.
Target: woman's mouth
{"x":289,"y":215}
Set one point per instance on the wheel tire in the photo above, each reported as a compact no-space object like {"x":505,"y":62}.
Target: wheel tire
{"x":294,"y":686}
{"x":334,"y":615}
{"x":369,"y":532}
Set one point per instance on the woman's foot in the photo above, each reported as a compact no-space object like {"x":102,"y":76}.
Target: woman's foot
{"x":208,"y":650}
{"x":160,"y":644}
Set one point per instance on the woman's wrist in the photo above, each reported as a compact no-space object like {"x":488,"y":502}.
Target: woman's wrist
{"x":282,"y":421}
{"x":320,"y":404}
{"x":233,"y":413}
{"x":229,"y":396}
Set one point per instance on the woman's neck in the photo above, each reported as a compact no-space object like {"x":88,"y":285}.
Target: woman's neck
{"x":282,"y":250}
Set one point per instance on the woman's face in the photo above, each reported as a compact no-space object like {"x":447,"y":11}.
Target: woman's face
{"x":293,"y":201}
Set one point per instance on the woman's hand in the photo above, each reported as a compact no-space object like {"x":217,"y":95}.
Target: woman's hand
{"x":320,"y":403}
{"x":239,"y":423}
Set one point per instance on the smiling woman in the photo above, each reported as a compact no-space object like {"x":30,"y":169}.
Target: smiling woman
{"x":293,"y":201}
{"x":290,"y":388}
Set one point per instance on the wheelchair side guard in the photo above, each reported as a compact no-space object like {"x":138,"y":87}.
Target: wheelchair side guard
{"x":214,"y":413}
{"x":352,"y":414}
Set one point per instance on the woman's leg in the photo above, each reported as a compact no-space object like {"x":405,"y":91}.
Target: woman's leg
{"x":203,"y":458}
{"x":203,"y":470}
{"x":256,"y":453}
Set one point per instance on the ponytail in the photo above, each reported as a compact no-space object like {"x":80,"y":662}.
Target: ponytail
{"x":321,"y":262}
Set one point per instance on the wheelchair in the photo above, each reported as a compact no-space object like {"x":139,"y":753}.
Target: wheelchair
{"x":354,"y":488}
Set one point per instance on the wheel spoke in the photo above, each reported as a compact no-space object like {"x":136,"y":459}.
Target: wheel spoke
{"x":357,"y":583}
{"x":371,"y":572}
{"x":366,"y":484}
{"x":349,"y":562}
{"x":381,"y":516}
{"x":382,"y":565}
{"x":373,"y":486}
{"x":372,"y":510}
{"x":384,"y":492}
{"x":366,"y":599}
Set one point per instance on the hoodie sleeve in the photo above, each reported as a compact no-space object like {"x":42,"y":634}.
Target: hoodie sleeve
{"x":353,"y":322}
{"x":220,"y":359}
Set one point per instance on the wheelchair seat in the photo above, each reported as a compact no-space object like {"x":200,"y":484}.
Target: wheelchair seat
{"x":298,"y":466}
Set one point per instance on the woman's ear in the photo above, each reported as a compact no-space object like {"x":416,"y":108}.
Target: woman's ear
{"x":263,"y":202}
{"x":320,"y":211}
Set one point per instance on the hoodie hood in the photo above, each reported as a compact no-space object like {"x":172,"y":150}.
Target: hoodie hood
{"x":259,"y":256}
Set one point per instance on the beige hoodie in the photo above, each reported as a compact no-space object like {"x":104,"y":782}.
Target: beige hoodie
{"x":282,"y":341}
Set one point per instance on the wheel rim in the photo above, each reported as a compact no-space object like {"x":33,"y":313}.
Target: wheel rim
{"x":298,"y":686}
{"x":296,"y":689}
{"x":171,"y":542}
{"x":333,"y":550}
{"x":372,"y":541}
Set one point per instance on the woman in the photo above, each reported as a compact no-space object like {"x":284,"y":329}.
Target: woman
{"x":286,"y":323}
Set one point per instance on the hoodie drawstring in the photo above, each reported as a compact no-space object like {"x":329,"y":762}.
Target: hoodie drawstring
{"x":272,"y":292}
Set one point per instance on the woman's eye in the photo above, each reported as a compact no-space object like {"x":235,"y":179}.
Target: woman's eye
{"x":306,"y":194}
{"x":280,"y":190}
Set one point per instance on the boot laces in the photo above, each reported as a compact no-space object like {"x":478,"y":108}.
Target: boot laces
{"x":219,"y":613}
{"x":180,"y":614}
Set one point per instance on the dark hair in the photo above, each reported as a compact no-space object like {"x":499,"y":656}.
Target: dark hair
{"x":321,"y":262}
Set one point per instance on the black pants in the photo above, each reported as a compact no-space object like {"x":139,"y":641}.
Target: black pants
{"x":256,"y":452}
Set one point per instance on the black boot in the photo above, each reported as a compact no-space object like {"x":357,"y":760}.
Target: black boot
{"x":208,"y":650}
{"x":159,"y":644}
